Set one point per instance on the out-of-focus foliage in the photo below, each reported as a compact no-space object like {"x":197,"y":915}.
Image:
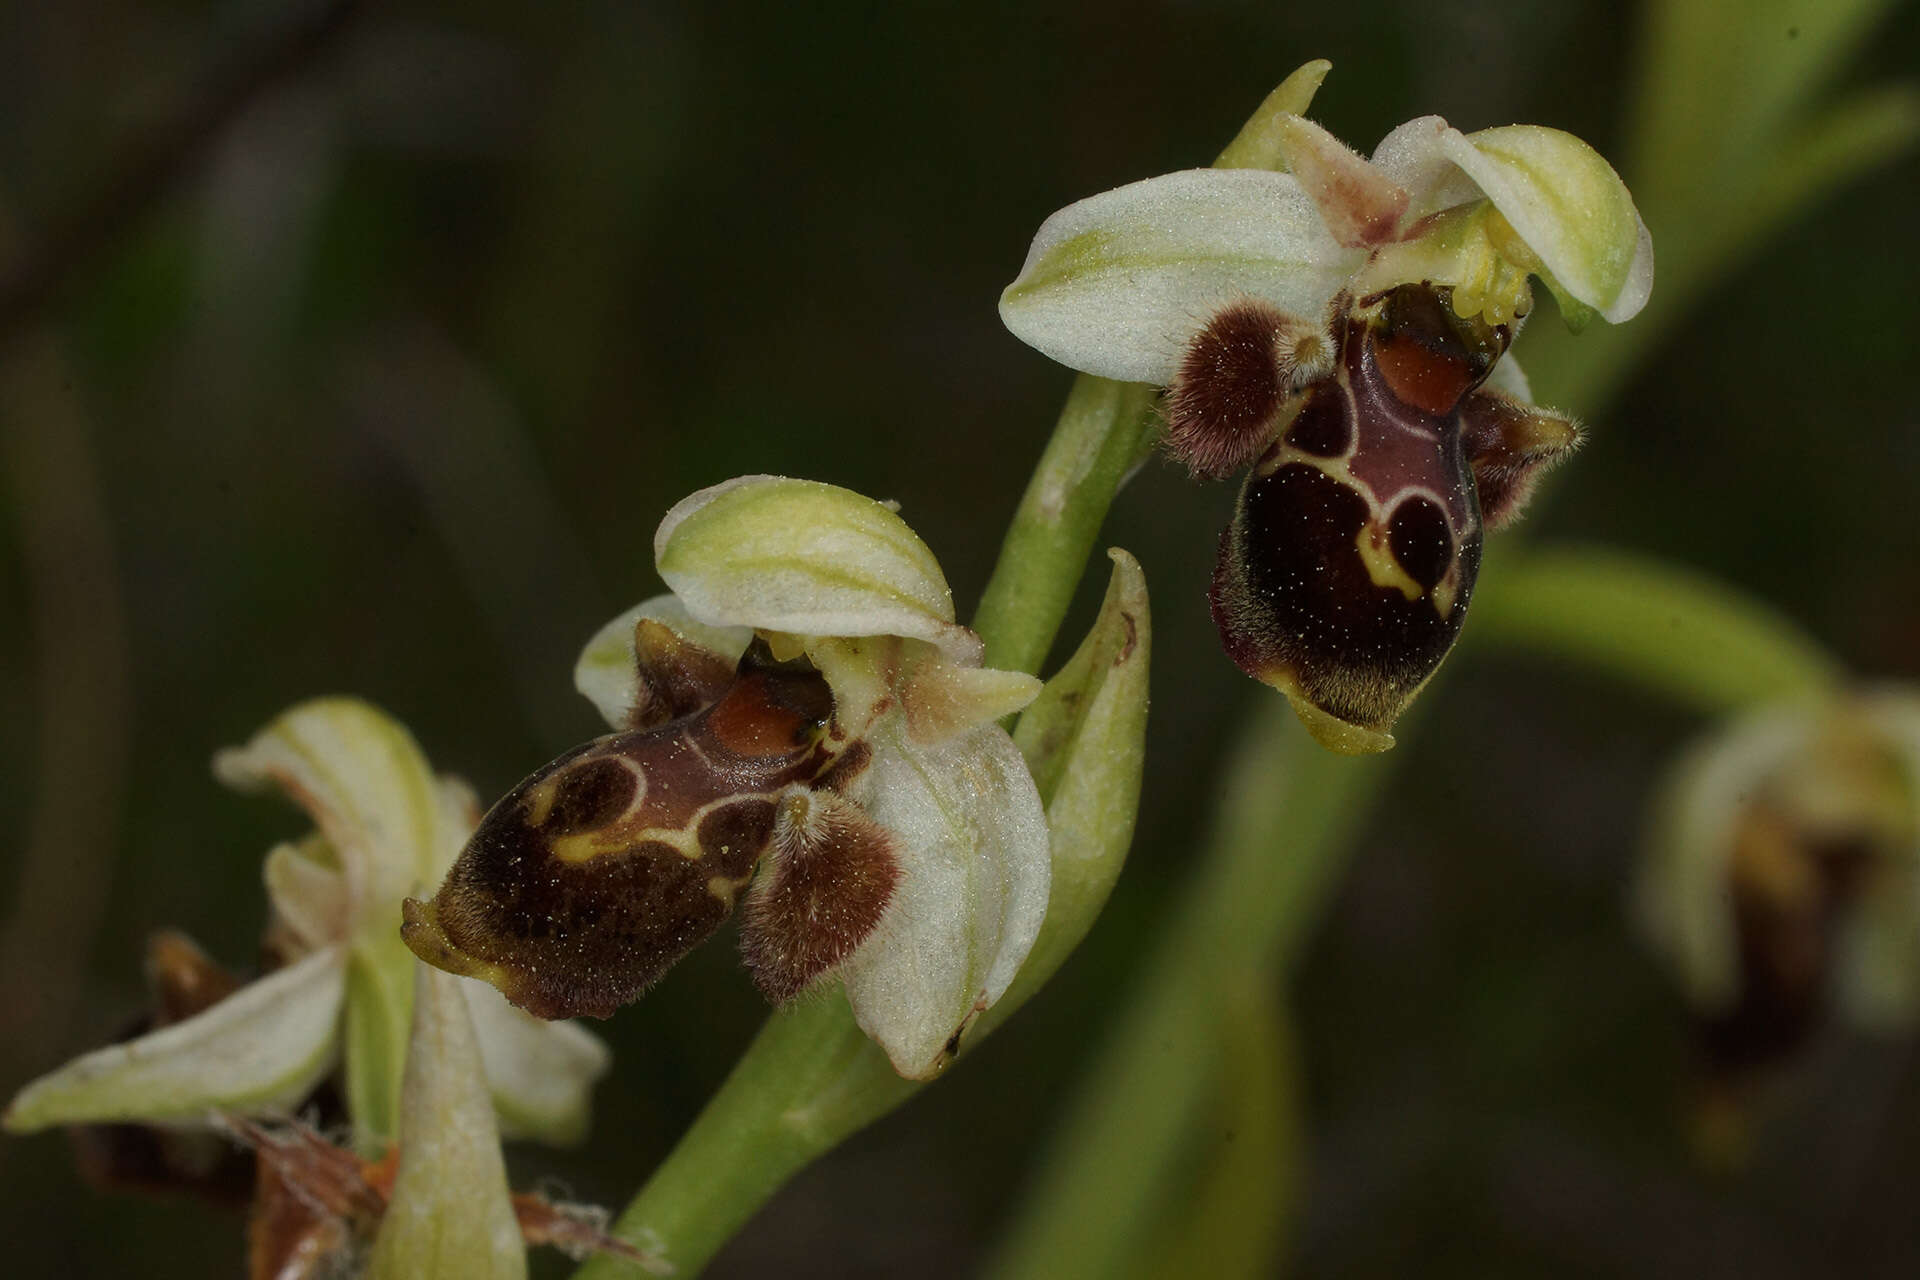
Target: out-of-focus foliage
{"x":386,"y":393}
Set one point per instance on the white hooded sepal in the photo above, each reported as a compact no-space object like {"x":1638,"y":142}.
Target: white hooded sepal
{"x":975,"y":871}
{"x":806,"y":559}
{"x":362,"y":779}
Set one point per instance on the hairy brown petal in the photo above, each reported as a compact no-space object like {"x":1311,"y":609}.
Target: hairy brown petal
{"x":830,"y":875}
{"x":1510,"y":445}
{"x":1236,"y":383}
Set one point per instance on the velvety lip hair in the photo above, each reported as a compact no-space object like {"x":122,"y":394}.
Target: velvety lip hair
{"x":593,"y":876}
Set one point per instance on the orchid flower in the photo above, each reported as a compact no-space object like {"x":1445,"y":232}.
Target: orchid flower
{"x":343,"y":993}
{"x":805,"y":731}
{"x":1339,"y":322}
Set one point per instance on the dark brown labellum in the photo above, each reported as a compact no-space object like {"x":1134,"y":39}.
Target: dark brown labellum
{"x":1345,"y":575}
{"x":1790,"y":889}
{"x":593,"y":876}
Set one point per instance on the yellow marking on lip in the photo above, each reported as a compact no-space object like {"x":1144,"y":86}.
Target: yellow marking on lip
{"x":726,"y":890}
{"x":584,"y":846}
{"x":541,"y":799}
{"x":1382,"y":568}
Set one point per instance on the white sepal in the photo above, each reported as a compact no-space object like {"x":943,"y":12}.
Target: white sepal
{"x":541,"y":1074}
{"x":974,"y":863}
{"x":261,"y":1049}
{"x":1119,"y":283}
{"x":808,"y":559}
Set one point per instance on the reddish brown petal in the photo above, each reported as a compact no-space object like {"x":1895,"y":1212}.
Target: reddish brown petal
{"x":1510,"y":445}
{"x":1236,"y":385}
{"x":831,"y":873}
{"x":1359,"y":204}
{"x":675,"y":676}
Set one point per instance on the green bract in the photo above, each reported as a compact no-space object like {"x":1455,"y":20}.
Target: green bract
{"x":451,"y":1213}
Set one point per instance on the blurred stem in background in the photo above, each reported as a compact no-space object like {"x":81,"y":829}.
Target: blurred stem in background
{"x":82,"y":703}
{"x":1727,"y":148}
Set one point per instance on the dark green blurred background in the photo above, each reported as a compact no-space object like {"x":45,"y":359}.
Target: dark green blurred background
{"x":385,"y":390}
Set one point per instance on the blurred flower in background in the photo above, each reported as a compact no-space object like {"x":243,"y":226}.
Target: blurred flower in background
{"x":1782,"y":881}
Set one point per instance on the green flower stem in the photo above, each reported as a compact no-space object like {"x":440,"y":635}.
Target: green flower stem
{"x":1113,"y":1157}
{"x":808,"y":1080}
{"x":811,"y":1077}
{"x":1286,"y":816}
{"x":1674,"y":631}
{"x":1104,"y":432}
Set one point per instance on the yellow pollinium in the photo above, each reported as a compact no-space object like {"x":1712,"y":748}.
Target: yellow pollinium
{"x":1471,"y":248}
{"x":1494,"y":265}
